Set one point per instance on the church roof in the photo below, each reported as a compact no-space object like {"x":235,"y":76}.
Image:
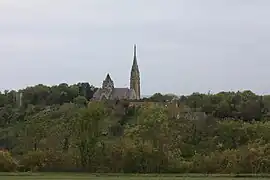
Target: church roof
{"x":117,"y":93}
{"x":121,"y":93}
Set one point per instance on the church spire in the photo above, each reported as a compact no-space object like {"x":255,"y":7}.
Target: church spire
{"x":108,"y":78}
{"x":108,"y":82}
{"x":135,"y":75}
{"x":135,"y":50}
{"x":135,"y":63}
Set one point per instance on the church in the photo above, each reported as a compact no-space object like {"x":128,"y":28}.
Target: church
{"x":109,"y":92}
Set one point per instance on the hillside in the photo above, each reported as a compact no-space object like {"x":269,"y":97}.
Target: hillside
{"x":58,"y":129}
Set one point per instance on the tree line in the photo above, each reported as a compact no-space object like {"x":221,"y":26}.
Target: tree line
{"x":58,"y":128}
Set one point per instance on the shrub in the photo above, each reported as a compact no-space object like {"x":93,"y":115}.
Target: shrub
{"x":254,"y":158}
{"x":33,"y":160}
{"x":7,"y":163}
{"x":48,"y":161}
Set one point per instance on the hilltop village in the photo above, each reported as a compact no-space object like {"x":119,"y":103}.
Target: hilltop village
{"x":82,"y":128}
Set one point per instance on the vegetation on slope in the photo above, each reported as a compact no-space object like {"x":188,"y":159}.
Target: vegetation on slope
{"x":58,"y":129}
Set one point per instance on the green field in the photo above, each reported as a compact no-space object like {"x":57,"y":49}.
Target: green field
{"x":72,"y":176}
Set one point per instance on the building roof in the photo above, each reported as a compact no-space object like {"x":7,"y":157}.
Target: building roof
{"x":117,"y":93}
{"x":121,"y":93}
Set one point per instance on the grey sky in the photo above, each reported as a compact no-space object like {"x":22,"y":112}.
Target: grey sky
{"x":184,"y":46}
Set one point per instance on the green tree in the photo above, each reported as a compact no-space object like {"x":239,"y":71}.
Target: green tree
{"x":89,"y":130}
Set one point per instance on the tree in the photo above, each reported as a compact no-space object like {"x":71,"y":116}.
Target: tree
{"x":81,"y":101}
{"x":89,"y":130}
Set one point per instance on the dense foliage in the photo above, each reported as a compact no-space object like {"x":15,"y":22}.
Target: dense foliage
{"x":58,"y":129}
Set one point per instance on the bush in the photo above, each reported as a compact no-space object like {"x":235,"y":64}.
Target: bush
{"x":33,"y":161}
{"x":254,"y":158}
{"x":7,"y":163}
{"x":142,"y":158}
{"x":179,"y":166}
{"x":59,"y":161}
{"x":48,"y":161}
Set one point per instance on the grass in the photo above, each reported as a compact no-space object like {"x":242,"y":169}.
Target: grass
{"x":82,"y":176}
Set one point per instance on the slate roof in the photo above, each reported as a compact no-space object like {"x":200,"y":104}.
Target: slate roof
{"x":121,"y":93}
{"x":117,"y":93}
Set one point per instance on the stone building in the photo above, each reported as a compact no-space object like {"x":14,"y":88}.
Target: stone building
{"x":109,"y":92}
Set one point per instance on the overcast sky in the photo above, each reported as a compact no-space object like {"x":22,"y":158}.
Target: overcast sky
{"x":183,"y":46}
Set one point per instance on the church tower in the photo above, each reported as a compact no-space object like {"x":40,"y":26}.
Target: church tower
{"x":135,"y":76}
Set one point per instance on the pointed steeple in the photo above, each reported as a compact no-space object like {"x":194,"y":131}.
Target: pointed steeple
{"x":108,"y":78}
{"x":135,"y":50}
{"x":108,"y":82}
{"x":135,"y":75}
{"x":135,"y":63}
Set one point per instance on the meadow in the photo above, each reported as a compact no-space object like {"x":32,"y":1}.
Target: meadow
{"x":74,"y":176}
